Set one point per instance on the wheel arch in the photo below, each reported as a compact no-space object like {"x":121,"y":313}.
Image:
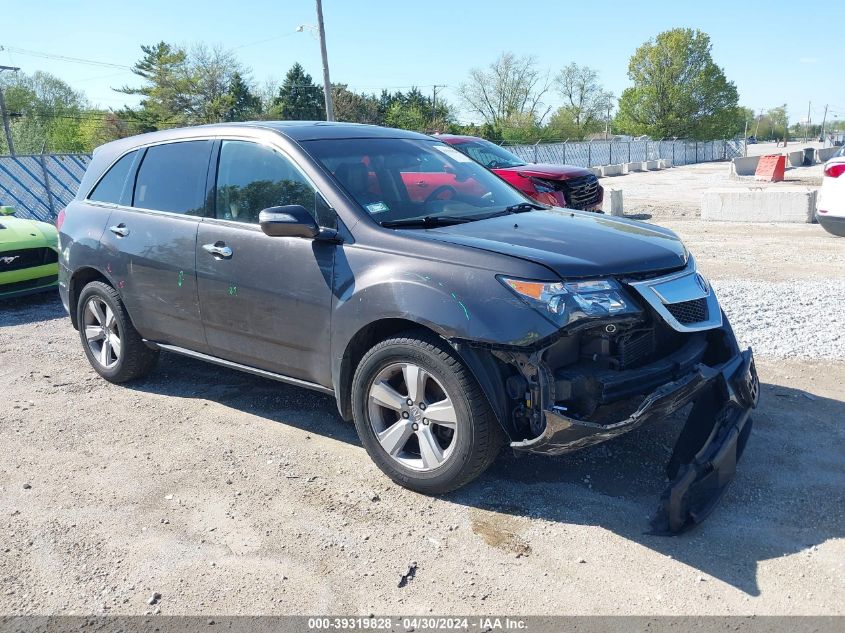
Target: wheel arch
{"x":78,"y":280}
{"x":482,"y":365}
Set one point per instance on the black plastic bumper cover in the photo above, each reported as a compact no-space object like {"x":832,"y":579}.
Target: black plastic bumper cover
{"x":704,"y":458}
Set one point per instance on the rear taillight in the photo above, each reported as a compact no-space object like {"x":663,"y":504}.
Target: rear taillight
{"x":60,"y":219}
{"x":835,"y":170}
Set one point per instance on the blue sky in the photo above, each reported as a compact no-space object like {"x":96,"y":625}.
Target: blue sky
{"x":776,"y":52}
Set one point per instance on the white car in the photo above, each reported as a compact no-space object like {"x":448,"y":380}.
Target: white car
{"x":830,"y":210}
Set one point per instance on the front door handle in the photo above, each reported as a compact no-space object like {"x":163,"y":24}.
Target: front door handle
{"x":119,"y":229}
{"x":422,"y":183}
{"x":218,"y":250}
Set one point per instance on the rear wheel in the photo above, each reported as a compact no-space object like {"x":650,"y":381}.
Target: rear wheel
{"x":112,"y":344}
{"x":422,"y":416}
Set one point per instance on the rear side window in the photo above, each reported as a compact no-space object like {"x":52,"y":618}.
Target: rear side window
{"x":172,"y":178}
{"x":113,"y":187}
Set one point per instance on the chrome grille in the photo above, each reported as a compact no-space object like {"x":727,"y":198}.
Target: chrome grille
{"x":581,"y":192}
{"x":686,"y":312}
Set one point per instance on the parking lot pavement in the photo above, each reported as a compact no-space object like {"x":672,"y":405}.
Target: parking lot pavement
{"x":230,"y":494}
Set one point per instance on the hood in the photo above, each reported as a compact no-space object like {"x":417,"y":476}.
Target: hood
{"x":17,"y":233}
{"x":548,"y":172}
{"x":572,"y":243}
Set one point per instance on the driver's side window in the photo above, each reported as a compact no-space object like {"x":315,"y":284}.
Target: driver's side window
{"x":253,"y":177}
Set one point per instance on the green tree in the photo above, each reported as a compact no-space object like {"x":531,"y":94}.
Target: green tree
{"x":354,"y":107}
{"x":167,"y":92}
{"x":299,"y":98}
{"x":509,"y":87}
{"x":212,"y":71}
{"x":407,"y":117}
{"x":586,"y":105}
{"x":678,"y":90}
{"x":414,"y":110}
{"x":100,"y":127}
{"x":46,"y":113}
{"x":243,"y":103}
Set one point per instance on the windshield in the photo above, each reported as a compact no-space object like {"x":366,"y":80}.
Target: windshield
{"x":489,"y":154}
{"x":402,"y":180}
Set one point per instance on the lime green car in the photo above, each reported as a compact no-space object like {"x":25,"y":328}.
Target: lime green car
{"x":29,"y":255}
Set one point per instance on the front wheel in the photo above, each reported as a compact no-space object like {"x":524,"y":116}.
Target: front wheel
{"x":421,"y":415}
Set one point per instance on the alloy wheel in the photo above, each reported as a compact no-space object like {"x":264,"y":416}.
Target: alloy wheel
{"x":101,"y":332}
{"x":412,"y":416}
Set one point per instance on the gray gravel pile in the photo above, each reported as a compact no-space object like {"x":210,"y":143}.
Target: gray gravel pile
{"x":798,"y":319}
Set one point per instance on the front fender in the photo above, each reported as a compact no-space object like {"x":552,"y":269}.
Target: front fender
{"x":464,"y":304}
{"x":457,"y":303}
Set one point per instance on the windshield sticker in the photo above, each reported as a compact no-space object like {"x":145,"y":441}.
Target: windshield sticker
{"x":452,"y":153}
{"x":377,"y":207}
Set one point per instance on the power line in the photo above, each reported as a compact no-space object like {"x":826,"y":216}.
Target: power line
{"x":64,"y":58}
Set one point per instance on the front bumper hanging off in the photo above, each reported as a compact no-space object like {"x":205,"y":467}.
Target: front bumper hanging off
{"x":704,"y":458}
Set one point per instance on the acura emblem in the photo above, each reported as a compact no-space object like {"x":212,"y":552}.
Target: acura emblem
{"x":8,"y":259}
{"x":702,"y":283}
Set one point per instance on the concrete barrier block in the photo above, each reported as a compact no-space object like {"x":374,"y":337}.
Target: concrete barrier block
{"x":613,"y":202}
{"x":745,"y":166}
{"x":665,"y":163}
{"x":611,"y":170}
{"x":795,"y":159}
{"x":796,"y":204}
{"x":637,"y":166}
{"x":596,"y":171}
{"x":651,"y":165}
{"x":824,"y":155}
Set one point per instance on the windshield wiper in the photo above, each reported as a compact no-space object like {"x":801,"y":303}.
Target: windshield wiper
{"x":445,"y":220}
{"x":427,"y":221}
{"x":522,"y":207}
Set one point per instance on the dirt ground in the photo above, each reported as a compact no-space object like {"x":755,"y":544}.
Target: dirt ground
{"x":231,"y":494}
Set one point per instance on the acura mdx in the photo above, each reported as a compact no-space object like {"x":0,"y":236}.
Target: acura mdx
{"x":447,"y":313}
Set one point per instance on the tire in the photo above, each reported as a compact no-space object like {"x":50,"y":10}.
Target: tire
{"x":129,"y":360}
{"x":468,"y":435}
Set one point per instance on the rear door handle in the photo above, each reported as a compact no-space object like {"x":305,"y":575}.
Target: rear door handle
{"x":119,"y":229}
{"x":219,"y":250}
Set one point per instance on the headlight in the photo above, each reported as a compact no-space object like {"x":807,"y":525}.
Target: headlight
{"x":541,"y":185}
{"x":565,"y":302}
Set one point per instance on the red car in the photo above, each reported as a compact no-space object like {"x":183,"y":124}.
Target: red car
{"x":557,"y":185}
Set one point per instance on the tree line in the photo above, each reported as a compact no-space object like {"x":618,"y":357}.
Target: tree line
{"x":677,"y":90}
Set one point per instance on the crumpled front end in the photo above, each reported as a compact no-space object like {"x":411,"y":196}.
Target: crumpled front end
{"x":606,"y":378}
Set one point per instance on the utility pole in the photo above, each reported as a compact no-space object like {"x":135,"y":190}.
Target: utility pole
{"x":434,"y":100}
{"x":745,"y":140}
{"x":824,"y":122}
{"x":809,"y":107}
{"x":327,"y":84}
{"x":5,"y":113}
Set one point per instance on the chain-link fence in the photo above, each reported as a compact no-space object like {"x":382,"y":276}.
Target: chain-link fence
{"x":610,"y":152}
{"x":39,"y":186}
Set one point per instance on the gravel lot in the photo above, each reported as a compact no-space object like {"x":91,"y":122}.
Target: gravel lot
{"x":230,"y":494}
{"x":672,"y":194}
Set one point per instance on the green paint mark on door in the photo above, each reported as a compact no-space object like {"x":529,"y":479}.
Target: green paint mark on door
{"x":181,"y":278}
{"x":233,"y":291}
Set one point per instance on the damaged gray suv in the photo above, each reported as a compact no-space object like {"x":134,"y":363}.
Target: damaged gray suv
{"x":447,"y":313}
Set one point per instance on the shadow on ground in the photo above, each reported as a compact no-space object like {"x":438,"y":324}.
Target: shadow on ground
{"x":45,"y":306}
{"x":789,"y":493}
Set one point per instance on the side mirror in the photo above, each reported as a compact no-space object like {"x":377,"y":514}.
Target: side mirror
{"x":291,"y":220}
